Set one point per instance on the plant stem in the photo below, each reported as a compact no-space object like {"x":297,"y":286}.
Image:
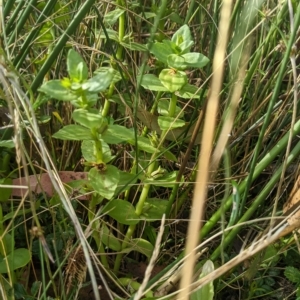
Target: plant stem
{"x":270,"y":156}
{"x":106,"y":105}
{"x":172,"y":106}
{"x":119,"y":53}
{"x":138,"y":210}
{"x":98,"y":149}
{"x":260,"y":198}
{"x":153,"y":159}
{"x":145,"y":192}
{"x":172,"y":111}
{"x":269,"y":111}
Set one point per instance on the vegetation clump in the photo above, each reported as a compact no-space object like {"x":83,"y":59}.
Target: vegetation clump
{"x":148,"y":150}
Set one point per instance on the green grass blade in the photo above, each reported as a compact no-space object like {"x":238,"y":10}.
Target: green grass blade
{"x":257,"y":171}
{"x":33,"y":34}
{"x":22,"y":20}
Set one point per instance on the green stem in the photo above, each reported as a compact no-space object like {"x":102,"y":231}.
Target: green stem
{"x":184,"y":196}
{"x":270,"y":107}
{"x":98,"y":149}
{"x":172,"y":106}
{"x":106,"y":107}
{"x":152,"y":111}
{"x":8,"y":7}
{"x":5,"y":162}
{"x":172,"y":111}
{"x":1,"y":225}
{"x":151,"y":167}
{"x":190,"y":12}
{"x":26,"y":47}
{"x":257,"y":202}
{"x":171,"y":200}
{"x":22,"y":20}
{"x":119,"y":53}
{"x":270,"y":156}
{"x":138,"y":210}
{"x":3,"y":246}
{"x":266,"y":191}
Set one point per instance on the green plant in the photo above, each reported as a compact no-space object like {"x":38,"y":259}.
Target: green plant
{"x":293,"y":275}
{"x":132,"y":130}
{"x":97,"y":132}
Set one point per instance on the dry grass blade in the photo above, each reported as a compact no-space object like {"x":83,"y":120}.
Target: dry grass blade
{"x":154,"y":256}
{"x":208,"y":135}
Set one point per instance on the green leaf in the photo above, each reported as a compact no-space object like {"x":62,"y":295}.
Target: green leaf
{"x":90,"y":119}
{"x":173,"y":46}
{"x":89,"y":152}
{"x":7,"y":144}
{"x":175,"y":17}
{"x":112,"y":34}
{"x":76,"y":66}
{"x":141,"y":246}
{"x":134,"y":46}
{"x":61,"y":14}
{"x":173,"y":80}
{"x":115,"y":74}
{"x":112,"y":17}
{"x":73,"y":133}
{"x":104,"y":182}
{"x":152,"y":83}
{"x":125,"y":182}
{"x":163,"y":109}
{"x":177,"y":62}
{"x":166,"y":180}
{"x":169,"y":155}
{"x":108,"y":239}
{"x":150,"y":233}
{"x":207,"y":291}
{"x":116,"y":134}
{"x":195,"y":60}
{"x":146,"y":15}
{"x":46,"y":35}
{"x":189,"y":91}
{"x":122,"y":211}
{"x":8,"y":243}
{"x":75,"y":188}
{"x":15,"y":260}
{"x":292,"y":274}
{"x":55,"y":89}
{"x":161,"y":51}
{"x":166,"y":123}
{"x":183,"y":39}
{"x":271,"y":252}
{"x":5,"y":192}
{"x":20,"y":292}
{"x":86,"y":100}
{"x":35,"y":288}
{"x":143,"y":144}
{"x":154,"y":209}
{"x":100,"y":82}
